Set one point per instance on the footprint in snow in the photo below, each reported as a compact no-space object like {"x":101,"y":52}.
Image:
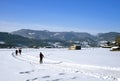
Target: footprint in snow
{"x":61,"y":73}
{"x":26,"y":72}
{"x":73,"y":77}
{"x":46,"y":77}
{"x":56,"y":80}
{"x":76,"y":71}
{"x":28,"y":80}
{"x":34,"y":79}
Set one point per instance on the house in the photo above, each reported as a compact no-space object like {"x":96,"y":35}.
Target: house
{"x":75,"y":47}
{"x":115,"y":48}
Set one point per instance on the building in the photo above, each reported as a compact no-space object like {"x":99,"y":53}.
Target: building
{"x":75,"y":47}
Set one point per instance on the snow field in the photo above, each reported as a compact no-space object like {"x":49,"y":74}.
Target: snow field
{"x":88,"y":64}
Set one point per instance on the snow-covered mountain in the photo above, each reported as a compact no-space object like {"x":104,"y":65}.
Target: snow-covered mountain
{"x":53,"y":35}
{"x":81,"y":36}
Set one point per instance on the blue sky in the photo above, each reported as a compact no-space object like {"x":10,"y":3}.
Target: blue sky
{"x":92,"y":16}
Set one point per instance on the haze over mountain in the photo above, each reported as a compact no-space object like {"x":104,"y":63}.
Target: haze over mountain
{"x":45,"y":34}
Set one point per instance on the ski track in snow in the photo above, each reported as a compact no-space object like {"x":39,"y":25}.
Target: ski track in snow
{"x":100,"y":72}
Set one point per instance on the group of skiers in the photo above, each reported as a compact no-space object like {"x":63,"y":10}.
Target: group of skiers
{"x":41,"y":56}
{"x":19,"y":51}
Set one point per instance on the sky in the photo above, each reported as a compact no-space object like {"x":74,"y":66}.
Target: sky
{"x":92,"y":16}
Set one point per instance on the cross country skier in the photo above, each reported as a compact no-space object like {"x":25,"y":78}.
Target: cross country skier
{"x":16,"y":52}
{"x":41,"y":57}
{"x":20,"y":50}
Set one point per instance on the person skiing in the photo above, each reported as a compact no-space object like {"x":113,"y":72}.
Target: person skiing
{"x":41,"y":57}
{"x":16,"y":52}
{"x":20,"y":50}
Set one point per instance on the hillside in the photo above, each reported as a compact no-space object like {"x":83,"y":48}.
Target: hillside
{"x":63,"y":36}
{"x":52,"y":35}
{"x":80,"y":37}
{"x":10,"y":40}
{"x":33,"y":38}
{"x":67,"y":36}
{"x":110,"y":36}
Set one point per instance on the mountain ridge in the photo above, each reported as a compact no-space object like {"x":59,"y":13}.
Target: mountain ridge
{"x":81,"y":37}
{"x":30,"y":38}
{"x":45,"y":34}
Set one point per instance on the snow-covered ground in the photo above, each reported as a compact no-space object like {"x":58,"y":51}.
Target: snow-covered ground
{"x":88,"y":64}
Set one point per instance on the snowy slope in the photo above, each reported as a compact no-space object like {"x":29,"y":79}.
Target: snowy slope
{"x":89,"y":64}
